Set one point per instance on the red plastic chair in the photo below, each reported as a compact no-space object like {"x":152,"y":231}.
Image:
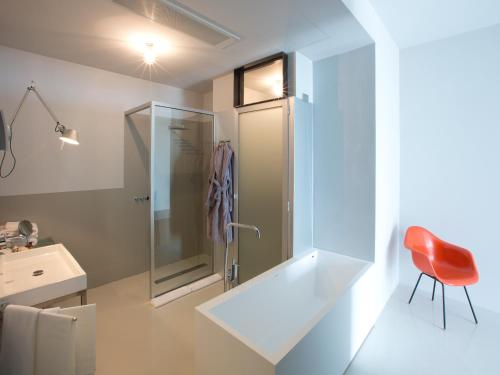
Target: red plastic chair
{"x":442,"y":262}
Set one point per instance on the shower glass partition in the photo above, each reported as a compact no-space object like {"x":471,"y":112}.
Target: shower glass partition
{"x":181,"y":147}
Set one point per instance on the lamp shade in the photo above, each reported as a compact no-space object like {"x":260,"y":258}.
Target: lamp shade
{"x":70,"y":136}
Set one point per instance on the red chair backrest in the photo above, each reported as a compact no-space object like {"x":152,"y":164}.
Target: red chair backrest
{"x":423,"y":246}
{"x":449,"y":263}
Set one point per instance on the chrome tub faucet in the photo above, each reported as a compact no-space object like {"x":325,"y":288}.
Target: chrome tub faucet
{"x":231,"y":276}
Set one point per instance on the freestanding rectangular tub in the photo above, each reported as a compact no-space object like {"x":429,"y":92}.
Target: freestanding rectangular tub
{"x":294,"y":319}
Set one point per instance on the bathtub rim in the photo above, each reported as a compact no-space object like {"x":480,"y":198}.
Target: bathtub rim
{"x":275,"y":357}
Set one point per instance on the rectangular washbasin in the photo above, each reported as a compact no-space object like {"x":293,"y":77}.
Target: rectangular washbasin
{"x":39,"y":275}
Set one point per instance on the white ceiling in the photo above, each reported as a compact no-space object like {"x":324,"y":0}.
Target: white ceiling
{"x":413,"y":22}
{"x":96,"y":33}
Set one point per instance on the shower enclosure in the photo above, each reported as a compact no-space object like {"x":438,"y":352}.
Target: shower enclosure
{"x":178,"y":148}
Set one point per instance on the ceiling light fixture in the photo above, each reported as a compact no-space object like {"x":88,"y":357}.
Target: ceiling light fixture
{"x":149,"y":46}
{"x":149,"y":54}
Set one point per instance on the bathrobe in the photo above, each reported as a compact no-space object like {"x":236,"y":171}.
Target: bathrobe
{"x":220,"y":193}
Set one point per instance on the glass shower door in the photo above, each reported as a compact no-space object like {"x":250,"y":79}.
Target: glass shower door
{"x":182,"y":143}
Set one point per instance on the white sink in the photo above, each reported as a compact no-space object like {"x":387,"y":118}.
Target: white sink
{"x":61,"y":276}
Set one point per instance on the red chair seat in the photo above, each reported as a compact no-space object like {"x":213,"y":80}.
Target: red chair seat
{"x":456,"y":276}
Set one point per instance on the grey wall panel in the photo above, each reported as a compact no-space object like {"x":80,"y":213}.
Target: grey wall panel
{"x":105,"y":230}
{"x":106,"y":236}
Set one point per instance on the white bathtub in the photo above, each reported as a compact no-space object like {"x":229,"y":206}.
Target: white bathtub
{"x":294,"y":319}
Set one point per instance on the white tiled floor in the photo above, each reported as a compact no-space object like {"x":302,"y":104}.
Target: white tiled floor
{"x":408,"y":339}
{"x":135,"y":339}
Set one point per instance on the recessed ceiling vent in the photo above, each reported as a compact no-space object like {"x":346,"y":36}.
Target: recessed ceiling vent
{"x":179,"y":17}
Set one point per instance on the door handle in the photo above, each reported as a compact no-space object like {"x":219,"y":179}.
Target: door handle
{"x":143,"y":198}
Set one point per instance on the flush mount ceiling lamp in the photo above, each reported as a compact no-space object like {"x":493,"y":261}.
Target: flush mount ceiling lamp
{"x":66,"y":135}
{"x":149,"y":54}
{"x":149,"y":46}
{"x":179,"y":17}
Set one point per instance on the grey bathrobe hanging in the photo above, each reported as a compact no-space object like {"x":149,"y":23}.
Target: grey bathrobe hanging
{"x":220,"y":193}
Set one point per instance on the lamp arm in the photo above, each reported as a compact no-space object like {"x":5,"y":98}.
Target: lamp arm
{"x":19,"y":108}
{"x":59,"y":127}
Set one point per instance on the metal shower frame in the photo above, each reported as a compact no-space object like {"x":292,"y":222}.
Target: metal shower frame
{"x":152,"y":106}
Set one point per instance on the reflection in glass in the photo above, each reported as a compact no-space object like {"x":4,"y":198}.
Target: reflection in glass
{"x":183,"y":142}
{"x":263,"y":83}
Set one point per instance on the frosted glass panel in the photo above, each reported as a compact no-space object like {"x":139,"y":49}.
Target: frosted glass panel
{"x":183,"y":142}
{"x":260,"y":184}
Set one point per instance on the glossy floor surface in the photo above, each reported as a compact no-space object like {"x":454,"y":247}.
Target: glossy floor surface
{"x":133,"y":338}
{"x":408,"y":339}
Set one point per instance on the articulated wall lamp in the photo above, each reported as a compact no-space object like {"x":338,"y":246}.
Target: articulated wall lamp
{"x":67,"y":135}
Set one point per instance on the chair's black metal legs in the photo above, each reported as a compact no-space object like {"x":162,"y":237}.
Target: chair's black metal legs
{"x":414,"y":289}
{"x":442,"y":290}
{"x":470,"y":304}
{"x":444,"y":307}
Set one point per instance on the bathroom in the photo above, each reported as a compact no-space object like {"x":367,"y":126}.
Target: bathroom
{"x":201,"y":195}
{"x":140,"y":173}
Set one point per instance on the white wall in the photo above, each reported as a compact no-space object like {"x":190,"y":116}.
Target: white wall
{"x":300,"y":81}
{"x":226,"y":119}
{"x":344,"y":153}
{"x":223,"y":93}
{"x":376,"y":286}
{"x":300,"y":76}
{"x":302,"y":176}
{"x":90,"y":100}
{"x":450,"y":132}
{"x":208,"y":101}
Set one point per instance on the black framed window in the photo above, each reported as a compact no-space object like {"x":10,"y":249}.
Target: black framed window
{"x":261,"y":81}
